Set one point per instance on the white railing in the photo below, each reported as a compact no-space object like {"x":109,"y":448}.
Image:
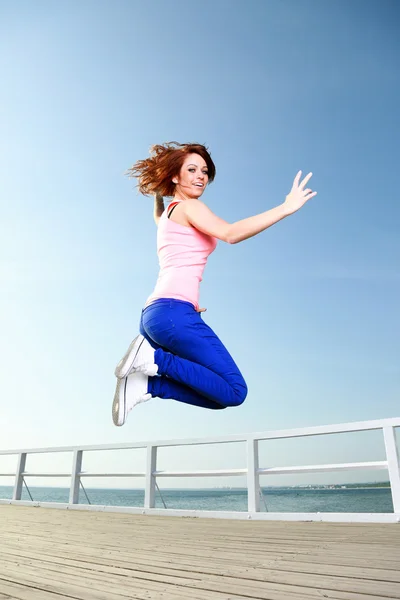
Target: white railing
{"x":253,"y":472}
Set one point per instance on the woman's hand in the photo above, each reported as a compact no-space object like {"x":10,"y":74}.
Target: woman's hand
{"x":298,"y":196}
{"x":201,"y":310}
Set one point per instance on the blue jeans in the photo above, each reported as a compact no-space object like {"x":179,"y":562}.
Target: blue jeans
{"x":193,"y":365}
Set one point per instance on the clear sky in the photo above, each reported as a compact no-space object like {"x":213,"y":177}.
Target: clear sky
{"x":309,"y":309}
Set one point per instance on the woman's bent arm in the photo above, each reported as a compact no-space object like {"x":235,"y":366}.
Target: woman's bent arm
{"x":247,"y":228}
{"x":158,"y":207}
{"x":201,"y":217}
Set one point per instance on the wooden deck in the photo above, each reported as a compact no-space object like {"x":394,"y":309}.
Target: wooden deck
{"x":50,"y":554}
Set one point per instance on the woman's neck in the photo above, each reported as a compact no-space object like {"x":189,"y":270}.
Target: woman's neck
{"x":181,"y":195}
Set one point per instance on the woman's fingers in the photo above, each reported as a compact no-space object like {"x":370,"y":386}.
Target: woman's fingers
{"x":296,"y":180}
{"x":311,"y":195}
{"x":305,"y":181}
{"x":302,"y":185}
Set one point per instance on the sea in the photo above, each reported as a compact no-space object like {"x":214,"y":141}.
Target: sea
{"x":361,"y":500}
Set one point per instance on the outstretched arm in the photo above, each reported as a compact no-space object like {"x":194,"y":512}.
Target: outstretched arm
{"x":158,"y":207}
{"x":201,"y":217}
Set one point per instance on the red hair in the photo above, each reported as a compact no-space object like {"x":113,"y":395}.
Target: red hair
{"x":155,"y":173}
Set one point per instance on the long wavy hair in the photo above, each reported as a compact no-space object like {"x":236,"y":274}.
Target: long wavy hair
{"x":155,"y":173}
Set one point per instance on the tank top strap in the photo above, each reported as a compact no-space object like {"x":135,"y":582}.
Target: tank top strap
{"x":172,"y":206}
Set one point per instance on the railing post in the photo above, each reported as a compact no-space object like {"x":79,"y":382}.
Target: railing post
{"x":19,"y":479}
{"x":75,"y":477}
{"x":392,"y":455}
{"x":150,"y":483}
{"x":253,"y":478}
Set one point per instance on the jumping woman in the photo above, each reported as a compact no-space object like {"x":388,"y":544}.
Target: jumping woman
{"x":176,"y":355}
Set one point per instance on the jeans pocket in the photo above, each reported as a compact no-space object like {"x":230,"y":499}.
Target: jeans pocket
{"x":160,"y":329}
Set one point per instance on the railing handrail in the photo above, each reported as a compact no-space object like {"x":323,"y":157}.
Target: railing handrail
{"x":253,"y":471}
{"x":259,"y":436}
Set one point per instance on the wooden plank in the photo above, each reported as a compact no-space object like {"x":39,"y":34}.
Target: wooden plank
{"x":16,"y":591}
{"x":155,"y":591}
{"x":82,"y":554}
{"x":149,"y":561}
{"x":132,"y":572}
{"x":164,"y":534}
{"x":340,"y":554}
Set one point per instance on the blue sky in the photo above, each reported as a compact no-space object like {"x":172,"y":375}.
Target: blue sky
{"x":308,"y":309}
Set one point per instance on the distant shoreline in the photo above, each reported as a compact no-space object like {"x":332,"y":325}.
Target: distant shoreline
{"x":306,"y":488}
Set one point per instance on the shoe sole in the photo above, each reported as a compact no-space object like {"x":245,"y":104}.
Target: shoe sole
{"x":119,"y":403}
{"x":124,"y":366}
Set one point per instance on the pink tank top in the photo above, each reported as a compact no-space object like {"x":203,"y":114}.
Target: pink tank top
{"x":182,"y":254}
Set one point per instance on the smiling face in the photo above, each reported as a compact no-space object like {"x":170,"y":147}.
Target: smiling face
{"x":192,"y":179}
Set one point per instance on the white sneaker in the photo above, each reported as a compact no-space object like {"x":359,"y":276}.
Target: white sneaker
{"x":138,"y":357}
{"x":130,"y":391}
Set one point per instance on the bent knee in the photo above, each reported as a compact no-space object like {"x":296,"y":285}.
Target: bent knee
{"x":240,"y":394}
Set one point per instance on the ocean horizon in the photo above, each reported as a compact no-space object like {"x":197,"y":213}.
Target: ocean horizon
{"x":368,"y":498}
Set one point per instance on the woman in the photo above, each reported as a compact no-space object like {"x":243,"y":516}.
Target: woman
{"x":177,"y":355}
